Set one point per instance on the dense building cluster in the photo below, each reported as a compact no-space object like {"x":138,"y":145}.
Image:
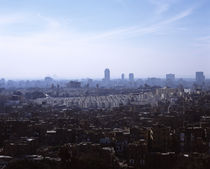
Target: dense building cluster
{"x":145,"y":127}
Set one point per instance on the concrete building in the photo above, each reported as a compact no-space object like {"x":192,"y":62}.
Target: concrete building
{"x":123,"y":76}
{"x":107,"y":75}
{"x":131,"y":77}
{"x":200,"y":78}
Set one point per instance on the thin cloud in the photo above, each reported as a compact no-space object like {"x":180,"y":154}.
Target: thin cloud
{"x":204,"y":38}
{"x":136,"y":30}
{"x":11,"y":19}
{"x":121,"y":2}
{"x":180,"y":16}
{"x":162,"y":6}
{"x":203,"y":41}
{"x":59,"y":48}
{"x":55,"y":28}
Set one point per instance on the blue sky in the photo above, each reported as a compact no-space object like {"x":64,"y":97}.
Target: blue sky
{"x":80,"y":38}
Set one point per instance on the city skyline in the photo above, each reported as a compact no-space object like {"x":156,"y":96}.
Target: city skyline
{"x":107,"y":76}
{"x":78,"y":39}
{"x":104,"y":84}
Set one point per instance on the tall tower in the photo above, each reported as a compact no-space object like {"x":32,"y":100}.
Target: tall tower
{"x":107,"y":75}
{"x":131,"y":77}
{"x":122,"y":76}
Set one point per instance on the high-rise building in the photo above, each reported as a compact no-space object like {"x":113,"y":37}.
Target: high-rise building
{"x":200,"y":78}
{"x":123,"y":76}
{"x":107,"y":75}
{"x":131,"y":77}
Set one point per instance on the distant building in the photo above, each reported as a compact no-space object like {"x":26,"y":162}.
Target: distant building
{"x":107,"y":75}
{"x":123,"y":76}
{"x":154,"y":81}
{"x":170,"y":77}
{"x":131,"y":77}
{"x":90,"y":82}
{"x":200,"y":78}
{"x":170,"y":80}
{"x":48,"y":79}
{"x":2,"y":82}
{"x":74,"y":84}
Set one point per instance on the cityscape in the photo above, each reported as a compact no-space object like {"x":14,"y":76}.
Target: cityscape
{"x":104,"y":84}
{"x":108,"y":123}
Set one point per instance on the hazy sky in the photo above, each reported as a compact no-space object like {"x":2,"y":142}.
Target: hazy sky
{"x":80,"y":38}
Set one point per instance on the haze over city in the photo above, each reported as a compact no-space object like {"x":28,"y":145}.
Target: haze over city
{"x":104,"y":84}
{"x":79,"y":39}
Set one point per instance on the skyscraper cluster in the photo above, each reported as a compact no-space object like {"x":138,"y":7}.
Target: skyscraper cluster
{"x":107,"y":76}
{"x":170,"y":79}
